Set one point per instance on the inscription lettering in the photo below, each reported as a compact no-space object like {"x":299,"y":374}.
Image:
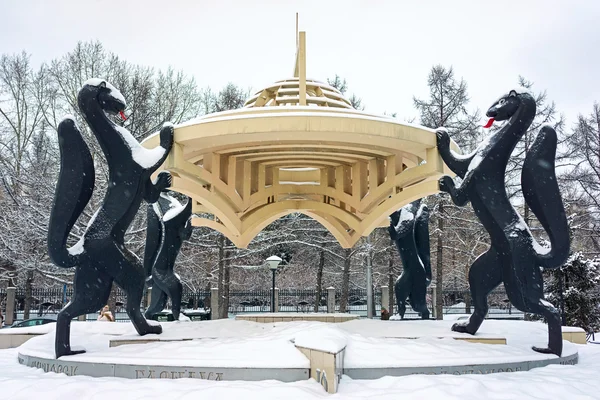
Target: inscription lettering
{"x":169,"y":374}
{"x":69,"y":370}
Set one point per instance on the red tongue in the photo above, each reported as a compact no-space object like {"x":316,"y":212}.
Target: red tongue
{"x":122,"y":114}
{"x":489,"y":123}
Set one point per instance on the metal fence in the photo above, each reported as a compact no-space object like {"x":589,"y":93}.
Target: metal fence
{"x":457,"y":302}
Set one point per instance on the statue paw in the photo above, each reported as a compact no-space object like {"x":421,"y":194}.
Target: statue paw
{"x":544,"y":350}
{"x":69,"y":353}
{"x":167,"y":135}
{"x":442,"y":137}
{"x":460,"y":327}
{"x":152,"y":328}
{"x":164,"y":180}
{"x":446,"y":184}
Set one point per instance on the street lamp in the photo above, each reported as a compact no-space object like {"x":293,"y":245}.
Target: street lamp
{"x":273,"y":263}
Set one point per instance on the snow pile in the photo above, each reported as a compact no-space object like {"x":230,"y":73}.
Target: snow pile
{"x":328,"y":339}
{"x":551,"y":382}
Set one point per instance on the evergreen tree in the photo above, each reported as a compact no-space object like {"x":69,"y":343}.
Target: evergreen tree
{"x":579,"y":280}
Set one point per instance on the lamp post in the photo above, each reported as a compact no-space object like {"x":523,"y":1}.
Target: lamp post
{"x":273,"y":263}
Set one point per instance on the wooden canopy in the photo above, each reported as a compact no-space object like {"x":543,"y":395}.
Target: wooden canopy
{"x":299,"y":146}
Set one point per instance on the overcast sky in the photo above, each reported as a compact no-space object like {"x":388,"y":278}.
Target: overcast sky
{"x":384,"y":49}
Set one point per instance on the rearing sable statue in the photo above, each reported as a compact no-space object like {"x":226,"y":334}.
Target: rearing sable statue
{"x":100,"y":256}
{"x":168,"y":227}
{"x":409,"y":229}
{"x":514,"y":257}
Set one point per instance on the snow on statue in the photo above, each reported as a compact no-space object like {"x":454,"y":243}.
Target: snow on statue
{"x":100,"y":257}
{"x":514,"y":257}
{"x":409,"y":229}
{"x":168,"y":227}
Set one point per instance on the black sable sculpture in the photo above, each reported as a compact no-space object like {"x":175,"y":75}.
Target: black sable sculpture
{"x":100,"y":256}
{"x":168,"y":227}
{"x":409,"y":229}
{"x":514,"y":258}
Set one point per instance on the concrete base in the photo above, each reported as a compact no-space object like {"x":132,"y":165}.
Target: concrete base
{"x":376,"y":373}
{"x":289,"y":317}
{"x":319,"y":351}
{"x":131,"y":371}
{"x":8,"y":341}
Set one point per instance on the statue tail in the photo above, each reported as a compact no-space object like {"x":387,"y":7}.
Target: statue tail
{"x":540,"y":190}
{"x":154,"y":233}
{"x":73,"y":191}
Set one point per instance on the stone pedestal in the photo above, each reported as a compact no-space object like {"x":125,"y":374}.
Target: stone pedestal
{"x":10,"y":305}
{"x":330,"y":299}
{"x":214,"y":303}
{"x":385,"y":297}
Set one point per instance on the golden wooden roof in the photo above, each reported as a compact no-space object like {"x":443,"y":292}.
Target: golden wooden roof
{"x":299,"y":146}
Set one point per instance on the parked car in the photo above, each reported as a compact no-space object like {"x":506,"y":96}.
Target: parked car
{"x":194,"y":315}
{"x":31,"y":322}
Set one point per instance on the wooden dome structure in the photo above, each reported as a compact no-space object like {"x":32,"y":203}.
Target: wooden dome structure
{"x":299,"y":146}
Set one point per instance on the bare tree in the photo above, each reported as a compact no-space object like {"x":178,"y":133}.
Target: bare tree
{"x":446,"y":107}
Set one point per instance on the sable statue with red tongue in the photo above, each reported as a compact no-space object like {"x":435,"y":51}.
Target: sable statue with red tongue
{"x":101,"y":257}
{"x":514,"y":257}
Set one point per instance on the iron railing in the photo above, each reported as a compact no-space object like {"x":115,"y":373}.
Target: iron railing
{"x":50,"y":301}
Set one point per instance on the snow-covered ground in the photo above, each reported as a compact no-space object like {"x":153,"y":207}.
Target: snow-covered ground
{"x":368,"y":344}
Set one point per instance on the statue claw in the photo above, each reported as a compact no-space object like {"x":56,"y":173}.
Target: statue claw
{"x":69,"y":353}
{"x":461,"y":327}
{"x":445,"y":184}
{"x":544,"y":350}
{"x":442,"y":137}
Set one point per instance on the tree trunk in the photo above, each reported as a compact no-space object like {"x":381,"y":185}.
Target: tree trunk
{"x":345,"y":281}
{"x":373,"y":305}
{"x":319,"y":280}
{"x":391,"y":280}
{"x":221,"y":273}
{"x":439,"y":310}
{"x":227,"y":280}
{"x":28,"y":294}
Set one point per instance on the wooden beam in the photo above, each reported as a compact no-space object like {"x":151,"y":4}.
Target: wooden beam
{"x":302,"y":67}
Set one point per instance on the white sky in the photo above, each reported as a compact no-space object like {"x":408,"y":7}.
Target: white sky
{"x":384,"y":49}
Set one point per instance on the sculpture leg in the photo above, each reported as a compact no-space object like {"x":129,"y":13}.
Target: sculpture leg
{"x":91,"y":290}
{"x":402,"y":290}
{"x":132,"y":280}
{"x":552,"y":316}
{"x":174,"y":290}
{"x":484,"y":276}
{"x":418,"y":296}
{"x":158,"y":301}
{"x":530,"y":299}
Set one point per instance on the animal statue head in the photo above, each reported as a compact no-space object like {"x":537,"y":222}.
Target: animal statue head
{"x":108,"y":97}
{"x":506,"y":106}
{"x":407,"y":213}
